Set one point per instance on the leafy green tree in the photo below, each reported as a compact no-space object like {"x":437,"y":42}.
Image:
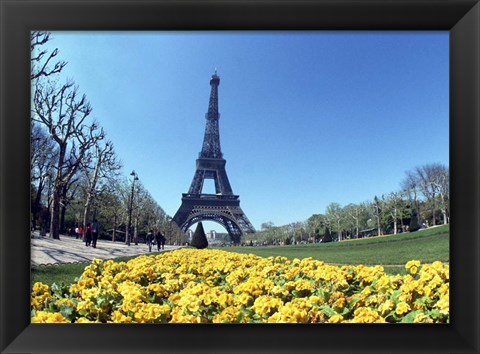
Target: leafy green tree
{"x":414,"y":223}
{"x":394,"y":207}
{"x":335,"y":216}
{"x":199,"y":240}
{"x":112,"y":209}
{"x":315,"y":226}
{"x":266,"y":225}
{"x":356,"y":217}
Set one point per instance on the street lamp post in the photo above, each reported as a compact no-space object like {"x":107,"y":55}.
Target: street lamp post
{"x":129,"y":237}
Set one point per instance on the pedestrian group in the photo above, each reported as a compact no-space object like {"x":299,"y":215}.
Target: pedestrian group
{"x":157,"y":239}
{"x":90,"y":236}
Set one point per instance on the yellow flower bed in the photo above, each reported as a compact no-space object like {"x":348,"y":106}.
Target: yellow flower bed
{"x":214,"y":286}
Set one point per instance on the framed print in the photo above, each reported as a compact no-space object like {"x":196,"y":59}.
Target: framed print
{"x":461,"y":19}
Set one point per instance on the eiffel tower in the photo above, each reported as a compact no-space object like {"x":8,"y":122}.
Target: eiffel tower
{"x":222,"y":207}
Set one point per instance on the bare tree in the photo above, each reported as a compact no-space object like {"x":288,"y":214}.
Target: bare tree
{"x":41,"y":59}
{"x":377,"y":211}
{"x":63,"y":111}
{"x":42,"y":158}
{"x":102,"y":164}
{"x":425,"y":177}
{"x":442,"y":183}
{"x":69,"y":192}
{"x":410,"y":187}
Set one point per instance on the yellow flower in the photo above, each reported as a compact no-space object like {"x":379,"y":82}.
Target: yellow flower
{"x":264,"y":305}
{"x":84,"y":320}
{"x":119,"y":317}
{"x":149,"y":313}
{"x":228,"y":315}
{"x":366,"y":315}
{"x":289,"y":313}
{"x":443,"y":304}
{"x":200,"y":286}
{"x":48,"y":317}
{"x":242,"y":299}
{"x":335,"y":319}
{"x":304,"y":285}
{"x":339,"y":303}
{"x":386,"y":307}
{"x":412,"y":266}
{"x":402,"y":307}
{"x":422,"y":318}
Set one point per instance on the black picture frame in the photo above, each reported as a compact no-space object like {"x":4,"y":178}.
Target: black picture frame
{"x":460,"y":17}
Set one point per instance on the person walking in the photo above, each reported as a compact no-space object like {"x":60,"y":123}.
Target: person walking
{"x":160,"y":241}
{"x":149,"y":240}
{"x":94,"y":233}
{"x":88,"y":235}
{"x":80,"y":232}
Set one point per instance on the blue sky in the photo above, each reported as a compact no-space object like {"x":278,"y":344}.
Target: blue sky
{"x":306,"y":118}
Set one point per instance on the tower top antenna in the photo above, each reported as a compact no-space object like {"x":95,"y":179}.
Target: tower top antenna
{"x":215,"y":79}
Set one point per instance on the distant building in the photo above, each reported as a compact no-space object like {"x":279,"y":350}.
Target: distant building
{"x":189,"y":235}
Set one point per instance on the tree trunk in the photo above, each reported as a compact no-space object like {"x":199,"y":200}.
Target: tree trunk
{"x":114,"y":228}
{"x":339,"y":231}
{"x":395,"y":230}
{"x":433,"y":216}
{"x":57,"y":194}
{"x":86,"y":211}
{"x":445,"y":216}
{"x":63,"y":209}
{"x":55,"y":217}
{"x":36,"y":202}
{"x":444,"y":210}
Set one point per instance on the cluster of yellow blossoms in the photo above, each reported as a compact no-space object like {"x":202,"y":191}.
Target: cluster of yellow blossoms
{"x":214,"y":286}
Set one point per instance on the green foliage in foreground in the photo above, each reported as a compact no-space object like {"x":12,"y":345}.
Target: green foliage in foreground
{"x":390,"y":251}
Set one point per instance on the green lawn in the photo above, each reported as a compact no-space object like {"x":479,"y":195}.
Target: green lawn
{"x":391,"y":251}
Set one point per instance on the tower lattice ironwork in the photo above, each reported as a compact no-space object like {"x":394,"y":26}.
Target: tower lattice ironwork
{"x":222,"y":207}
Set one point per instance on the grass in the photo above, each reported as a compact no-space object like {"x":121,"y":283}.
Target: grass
{"x":391,"y":251}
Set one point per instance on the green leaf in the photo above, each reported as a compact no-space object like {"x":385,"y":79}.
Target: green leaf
{"x":327,"y":310}
{"x":345,"y":311}
{"x":409,"y":317}
{"x":395,"y":296}
{"x":435,"y":314}
{"x":66,"y":311}
{"x":353,"y":302}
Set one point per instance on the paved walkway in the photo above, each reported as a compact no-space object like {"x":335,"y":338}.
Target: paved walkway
{"x":45,"y":250}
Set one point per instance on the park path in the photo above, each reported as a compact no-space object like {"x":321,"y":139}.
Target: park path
{"x":45,"y":250}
